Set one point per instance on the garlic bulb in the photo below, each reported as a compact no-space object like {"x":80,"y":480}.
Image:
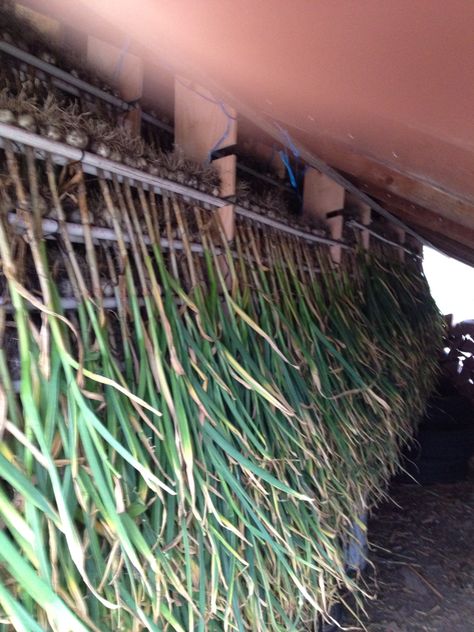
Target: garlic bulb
{"x":101,"y":149}
{"x":7,"y":116}
{"x":107,"y":287}
{"x":6,"y":37}
{"x":77,"y":138}
{"x":115,"y":155}
{"x":52,"y":132}
{"x":130,"y":161}
{"x":27,"y":121}
{"x":48,"y":58}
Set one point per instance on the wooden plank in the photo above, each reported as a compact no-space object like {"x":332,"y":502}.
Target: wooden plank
{"x":364,"y":213}
{"x":203,"y":125}
{"x":401,"y":236}
{"x":227,"y":168}
{"x":420,"y":217}
{"x":369,"y":175}
{"x":123,"y":71}
{"x":46,"y":25}
{"x":321,"y":195}
{"x":120,"y":68}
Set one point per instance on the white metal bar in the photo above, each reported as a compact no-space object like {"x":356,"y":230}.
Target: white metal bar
{"x":96,"y":165}
{"x":296,"y":232}
{"x":108,"y":302}
{"x":353,"y":223}
{"x":99,"y":233}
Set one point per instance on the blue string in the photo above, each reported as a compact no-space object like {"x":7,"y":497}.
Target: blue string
{"x":226,"y":133}
{"x":289,"y":143}
{"x":222,"y":106}
{"x":286,"y":161}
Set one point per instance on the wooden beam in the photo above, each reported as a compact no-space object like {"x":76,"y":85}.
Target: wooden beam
{"x":122,"y":70}
{"x":46,"y":25}
{"x":450,"y":248}
{"x":321,"y":195}
{"x":367,"y":174}
{"x":401,"y":236}
{"x":203,"y":125}
{"x":419,"y":217}
{"x":201,"y":121}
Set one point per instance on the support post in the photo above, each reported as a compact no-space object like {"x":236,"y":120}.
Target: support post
{"x":202,"y":125}
{"x":322,"y":196}
{"x":122,"y":70}
{"x":401,"y":237}
{"x":46,"y":25}
{"x":364,"y":213}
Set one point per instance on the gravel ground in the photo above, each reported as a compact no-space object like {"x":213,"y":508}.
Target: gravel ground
{"x":422,"y":551}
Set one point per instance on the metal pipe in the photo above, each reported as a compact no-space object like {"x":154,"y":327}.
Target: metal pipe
{"x":355,"y":224}
{"x":96,"y":165}
{"x":99,"y":233}
{"x":108,"y":302}
{"x":265,"y":178}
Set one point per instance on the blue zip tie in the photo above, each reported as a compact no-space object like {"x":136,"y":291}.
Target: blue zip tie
{"x":286,"y":162}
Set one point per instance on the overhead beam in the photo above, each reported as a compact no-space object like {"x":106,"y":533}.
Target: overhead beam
{"x":421,"y":217}
{"x":449,"y":247}
{"x":367,"y":174}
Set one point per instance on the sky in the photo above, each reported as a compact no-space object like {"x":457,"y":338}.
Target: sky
{"x":451,"y":284}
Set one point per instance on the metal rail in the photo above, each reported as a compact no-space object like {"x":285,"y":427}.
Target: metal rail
{"x":75,"y":86}
{"x":96,"y":165}
{"x":353,"y":223}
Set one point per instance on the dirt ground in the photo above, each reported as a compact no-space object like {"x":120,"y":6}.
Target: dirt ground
{"x":423,"y":556}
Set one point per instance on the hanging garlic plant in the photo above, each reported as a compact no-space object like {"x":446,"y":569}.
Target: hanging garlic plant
{"x":195,"y":457}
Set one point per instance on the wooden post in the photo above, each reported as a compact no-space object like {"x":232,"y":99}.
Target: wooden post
{"x":122,"y":70}
{"x":414,"y":244}
{"x":203,"y":125}
{"x":364,"y":214}
{"x":401,"y":236}
{"x":321,"y":195}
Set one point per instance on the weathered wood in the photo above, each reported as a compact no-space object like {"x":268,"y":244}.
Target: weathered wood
{"x":46,"y":25}
{"x":201,"y":122}
{"x":421,"y":217}
{"x":370,"y":176}
{"x":401,"y":236}
{"x":203,"y":125}
{"x":364,"y":213}
{"x":123,"y":71}
{"x":321,"y":196}
{"x":227,"y":168}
